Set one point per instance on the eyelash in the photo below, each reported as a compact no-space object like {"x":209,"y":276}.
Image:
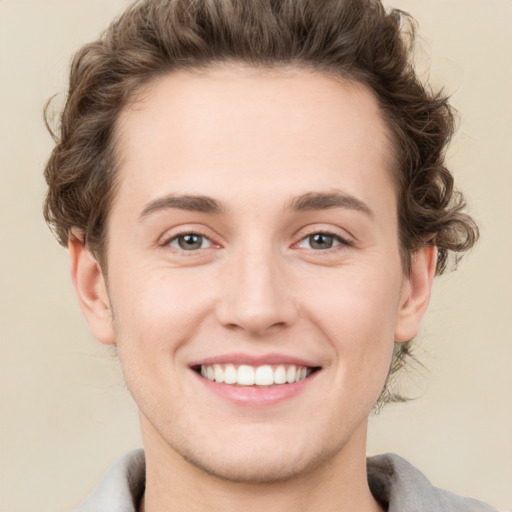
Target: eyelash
{"x":177,"y":236}
{"x":341,"y":241}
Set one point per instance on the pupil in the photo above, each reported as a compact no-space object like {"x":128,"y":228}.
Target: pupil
{"x":189,"y":242}
{"x":321,"y":241}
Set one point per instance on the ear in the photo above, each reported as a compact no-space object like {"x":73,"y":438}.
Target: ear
{"x":416,"y":293}
{"x":91,"y":289}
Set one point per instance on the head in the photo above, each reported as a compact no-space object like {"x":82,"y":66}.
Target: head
{"x":160,"y":50}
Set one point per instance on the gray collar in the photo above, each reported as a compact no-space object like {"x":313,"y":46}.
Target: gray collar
{"x":395,"y":483}
{"x":400,"y":487}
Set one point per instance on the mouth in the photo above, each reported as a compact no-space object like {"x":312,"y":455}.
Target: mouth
{"x":245,"y":375}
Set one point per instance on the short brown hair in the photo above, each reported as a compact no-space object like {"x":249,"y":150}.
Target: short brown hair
{"x":355,"y":39}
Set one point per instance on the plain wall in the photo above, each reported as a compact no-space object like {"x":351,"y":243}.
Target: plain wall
{"x":65,"y":414}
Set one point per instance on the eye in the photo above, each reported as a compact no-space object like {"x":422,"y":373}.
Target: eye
{"x":320,"y":241}
{"x":190,"y":242}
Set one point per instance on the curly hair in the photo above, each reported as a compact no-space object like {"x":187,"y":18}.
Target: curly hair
{"x":355,"y":39}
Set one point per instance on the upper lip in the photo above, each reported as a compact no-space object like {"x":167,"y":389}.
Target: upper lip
{"x":255,"y":360}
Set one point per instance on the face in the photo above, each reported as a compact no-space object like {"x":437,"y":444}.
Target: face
{"x":255,"y":287}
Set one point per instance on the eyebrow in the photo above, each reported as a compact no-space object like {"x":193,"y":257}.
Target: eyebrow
{"x":191,"y":203}
{"x":323,"y":201}
{"x":305,"y":202}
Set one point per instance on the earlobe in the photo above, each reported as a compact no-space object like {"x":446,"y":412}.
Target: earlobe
{"x":416,"y":293}
{"x":91,"y":290}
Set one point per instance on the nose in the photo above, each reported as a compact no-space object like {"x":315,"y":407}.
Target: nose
{"x":255,"y":294}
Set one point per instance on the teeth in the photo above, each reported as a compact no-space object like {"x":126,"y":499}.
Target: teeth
{"x":218,"y":372}
{"x":290,"y":374}
{"x":280,"y":375}
{"x":245,"y":375}
{"x":264,"y":376}
{"x":229,"y":374}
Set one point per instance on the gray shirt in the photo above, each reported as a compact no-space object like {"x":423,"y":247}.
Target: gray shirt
{"x":395,"y":483}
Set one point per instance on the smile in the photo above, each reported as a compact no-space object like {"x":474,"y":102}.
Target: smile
{"x":246,"y":375}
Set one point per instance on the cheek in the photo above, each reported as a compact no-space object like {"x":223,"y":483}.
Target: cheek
{"x":357,"y":314}
{"x":356,"y":301}
{"x":157,"y":310}
{"x":154,"y":317}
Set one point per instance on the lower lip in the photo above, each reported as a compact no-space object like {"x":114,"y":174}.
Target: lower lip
{"x":257,"y":396}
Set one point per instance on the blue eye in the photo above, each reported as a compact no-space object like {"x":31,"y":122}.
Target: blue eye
{"x":320,"y":241}
{"x":190,"y":242}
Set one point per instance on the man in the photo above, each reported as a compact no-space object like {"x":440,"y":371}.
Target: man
{"x":255,"y":202}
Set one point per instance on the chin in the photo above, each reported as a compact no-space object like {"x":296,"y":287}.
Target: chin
{"x":260,"y":463}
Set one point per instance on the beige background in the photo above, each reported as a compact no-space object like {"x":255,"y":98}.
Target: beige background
{"x":65,"y":415}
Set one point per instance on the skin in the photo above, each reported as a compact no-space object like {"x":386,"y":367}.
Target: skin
{"x":254,"y":141}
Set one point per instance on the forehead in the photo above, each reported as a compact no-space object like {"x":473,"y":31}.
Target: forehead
{"x":247,"y":127}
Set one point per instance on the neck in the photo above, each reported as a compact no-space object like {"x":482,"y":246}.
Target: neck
{"x":172,"y":483}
